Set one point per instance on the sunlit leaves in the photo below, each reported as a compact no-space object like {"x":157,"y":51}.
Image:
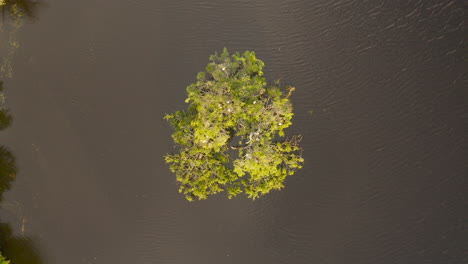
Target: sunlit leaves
{"x":3,"y":260}
{"x":231,"y":107}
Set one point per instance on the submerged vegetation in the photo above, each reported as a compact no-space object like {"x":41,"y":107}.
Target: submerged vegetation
{"x":231,"y":107}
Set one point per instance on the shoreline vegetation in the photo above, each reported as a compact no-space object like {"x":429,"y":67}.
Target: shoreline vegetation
{"x":7,"y":160}
{"x":14,"y":13}
{"x":231,"y":108}
{"x":14,"y":249}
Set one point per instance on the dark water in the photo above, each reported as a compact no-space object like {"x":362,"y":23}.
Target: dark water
{"x":386,"y":174}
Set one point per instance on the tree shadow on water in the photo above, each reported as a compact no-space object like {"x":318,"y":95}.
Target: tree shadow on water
{"x":7,"y":159}
{"x":5,"y":116}
{"x":7,"y":170}
{"x":5,"y":119}
{"x":16,"y":249}
{"x":7,"y":176}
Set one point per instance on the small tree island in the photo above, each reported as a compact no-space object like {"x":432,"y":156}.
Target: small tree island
{"x":231,"y":109}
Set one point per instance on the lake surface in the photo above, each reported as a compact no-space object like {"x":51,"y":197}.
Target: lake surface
{"x":381,"y":102}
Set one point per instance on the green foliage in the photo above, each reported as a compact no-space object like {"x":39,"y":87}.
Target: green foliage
{"x":3,"y":260}
{"x":231,"y":107}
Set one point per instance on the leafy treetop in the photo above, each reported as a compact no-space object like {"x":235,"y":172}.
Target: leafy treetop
{"x":3,"y":260}
{"x":232,"y":108}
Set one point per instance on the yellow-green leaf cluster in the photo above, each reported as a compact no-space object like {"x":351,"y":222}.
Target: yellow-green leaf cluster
{"x":3,"y":259}
{"x":232,"y":107}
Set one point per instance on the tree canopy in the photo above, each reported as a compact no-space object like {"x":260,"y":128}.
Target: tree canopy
{"x":231,"y":108}
{"x":3,"y":260}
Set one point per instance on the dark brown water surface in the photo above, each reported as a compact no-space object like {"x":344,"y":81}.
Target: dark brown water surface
{"x":385,"y":177}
